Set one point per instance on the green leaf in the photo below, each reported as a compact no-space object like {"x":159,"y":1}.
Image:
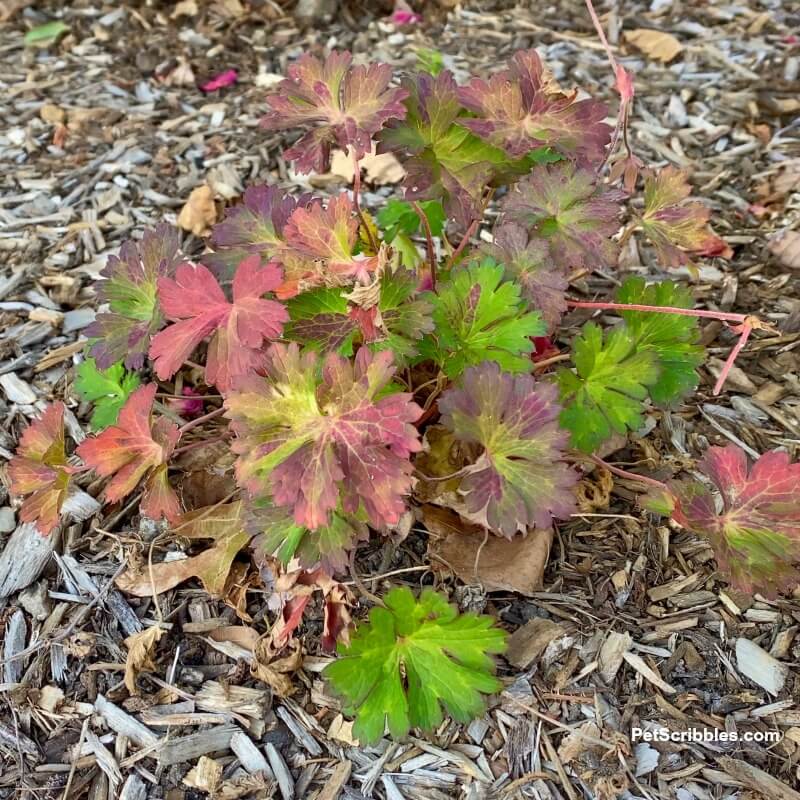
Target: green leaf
{"x":46,"y":34}
{"x":672,"y":338}
{"x":320,"y":320}
{"x":606,"y":393}
{"x":478,"y":317}
{"x":399,"y":217}
{"x":108,"y":389}
{"x":412,"y":660}
{"x":429,"y":60}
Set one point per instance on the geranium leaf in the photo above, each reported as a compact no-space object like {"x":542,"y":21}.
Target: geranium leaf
{"x":321,"y":241}
{"x":517,"y":110}
{"x":443,"y":160}
{"x":756,"y":535}
{"x":413,"y":660}
{"x":108,"y":389}
{"x":39,"y":471}
{"x":346,"y":106}
{"x":319,"y":319}
{"x":479,"y":317}
{"x":519,"y":481}
{"x":136,"y":448}
{"x":253,"y":228}
{"x":565,"y":206}
{"x":673,"y":338}
{"x":238,"y":329}
{"x":677,"y":229}
{"x":280,"y":536}
{"x":527,"y":261}
{"x":123,"y":333}
{"x":606,"y":393}
{"x":399,"y":217}
{"x":316,"y":434}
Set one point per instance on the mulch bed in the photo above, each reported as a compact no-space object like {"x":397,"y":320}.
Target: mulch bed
{"x":106,"y":133}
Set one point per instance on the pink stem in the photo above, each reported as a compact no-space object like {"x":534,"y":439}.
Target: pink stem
{"x":745,"y":335}
{"x":686,"y":312}
{"x":200,"y":420}
{"x":463,"y":243}
{"x":625,"y":474}
{"x":199,"y":443}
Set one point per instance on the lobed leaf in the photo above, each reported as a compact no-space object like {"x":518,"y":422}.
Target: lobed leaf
{"x":130,"y":289}
{"x":399,"y":217}
{"x":313,"y":435}
{"x":238,"y":329}
{"x":278,"y":535}
{"x":443,"y":160}
{"x":39,"y":471}
{"x":756,"y":535}
{"x":672,"y":338}
{"x":519,"y":110}
{"x":564,"y":205}
{"x":479,"y":317}
{"x":606,"y":392}
{"x":253,"y":228}
{"x":108,"y":389}
{"x":527,"y":261}
{"x":345,"y":105}
{"x":136,"y":449}
{"x":675,"y":228}
{"x":519,"y":481}
{"x":412,"y":660}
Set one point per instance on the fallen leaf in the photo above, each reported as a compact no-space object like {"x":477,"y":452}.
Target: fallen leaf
{"x":785,"y":246}
{"x":241,"y":635}
{"x":44,"y":35}
{"x":527,"y":643}
{"x":658,"y":45}
{"x":199,"y":213}
{"x":212,"y":567}
{"x":504,"y":565}
{"x":276,"y":672}
{"x":140,"y":654}
{"x":52,"y":113}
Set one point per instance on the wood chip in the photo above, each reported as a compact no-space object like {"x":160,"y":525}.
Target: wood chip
{"x":759,"y":666}
{"x":648,"y":674}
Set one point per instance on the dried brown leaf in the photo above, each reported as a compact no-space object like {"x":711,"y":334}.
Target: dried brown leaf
{"x":141,"y":647}
{"x":657,"y":45}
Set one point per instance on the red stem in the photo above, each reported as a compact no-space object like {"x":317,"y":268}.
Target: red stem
{"x":200,"y":420}
{"x":199,"y":443}
{"x":463,"y":243}
{"x":428,"y":242}
{"x":686,"y":312}
{"x":745,"y":335}
{"x":625,"y":474}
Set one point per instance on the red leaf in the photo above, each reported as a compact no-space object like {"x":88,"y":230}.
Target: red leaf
{"x":39,"y":469}
{"x":345,"y":105}
{"x":756,"y":536}
{"x":677,"y":228}
{"x":136,"y":448}
{"x":313,"y":441}
{"x":517,"y":110}
{"x":195,"y":299}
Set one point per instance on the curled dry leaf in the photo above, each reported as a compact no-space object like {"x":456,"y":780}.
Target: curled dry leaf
{"x":140,"y":646}
{"x":275,"y":671}
{"x":199,"y":213}
{"x":657,"y":45}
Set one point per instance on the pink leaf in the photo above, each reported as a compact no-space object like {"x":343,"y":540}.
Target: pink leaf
{"x":344,"y":105}
{"x":220,"y":81}
{"x":756,"y":536}
{"x":195,"y":300}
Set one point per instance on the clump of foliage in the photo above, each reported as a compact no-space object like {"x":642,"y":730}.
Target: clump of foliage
{"x":336,"y":343}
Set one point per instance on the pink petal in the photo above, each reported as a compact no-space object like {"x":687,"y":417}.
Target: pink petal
{"x":220,"y":81}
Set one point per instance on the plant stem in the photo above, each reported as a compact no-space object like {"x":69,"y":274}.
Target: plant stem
{"x":737,"y":348}
{"x":625,"y":474}
{"x":428,"y":241}
{"x":200,"y":420}
{"x":725,"y":316}
{"x":356,"y":191}
{"x":546,"y":362}
{"x":464,"y":241}
{"x":199,"y":443}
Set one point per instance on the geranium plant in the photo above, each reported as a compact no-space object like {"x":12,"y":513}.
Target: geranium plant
{"x":347,"y":345}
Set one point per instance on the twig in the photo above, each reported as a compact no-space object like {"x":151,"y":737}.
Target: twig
{"x":359,"y":584}
{"x":625,"y":474}
{"x":74,"y":766}
{"x":428,"y":242}
{"x":200,"y":420}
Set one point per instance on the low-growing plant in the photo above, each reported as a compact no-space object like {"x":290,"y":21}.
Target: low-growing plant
{"x":349,"y":349}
